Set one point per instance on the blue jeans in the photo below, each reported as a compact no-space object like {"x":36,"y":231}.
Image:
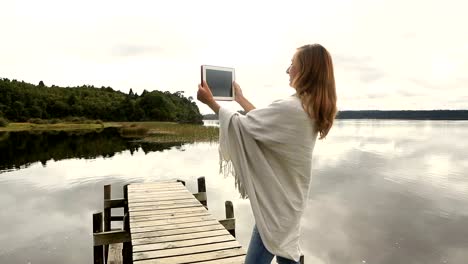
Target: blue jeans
{"x":258,"y":254}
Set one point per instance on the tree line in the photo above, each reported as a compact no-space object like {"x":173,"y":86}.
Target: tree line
{"x":21,"y":101}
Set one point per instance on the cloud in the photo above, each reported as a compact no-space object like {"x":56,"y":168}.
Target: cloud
{"x":136,"y":50}
{"x":425,"y":84}
{"x":363,"y":66}
{"x":407,"y":93}
{"x":459,"y":102}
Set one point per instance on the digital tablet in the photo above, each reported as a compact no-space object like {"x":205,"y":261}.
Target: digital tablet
{"x":219,"y":80}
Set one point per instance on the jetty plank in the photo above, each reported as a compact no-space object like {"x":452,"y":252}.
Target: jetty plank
{"x":170,"y":225}
{"x":193,"y":258}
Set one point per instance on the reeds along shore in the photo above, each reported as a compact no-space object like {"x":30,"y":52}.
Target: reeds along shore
{"x":145,"y":131}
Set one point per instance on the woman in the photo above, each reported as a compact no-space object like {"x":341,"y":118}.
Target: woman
{"x":270,"y":151}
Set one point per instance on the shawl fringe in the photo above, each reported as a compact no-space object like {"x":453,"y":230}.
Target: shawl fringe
{"x":226,"y":168}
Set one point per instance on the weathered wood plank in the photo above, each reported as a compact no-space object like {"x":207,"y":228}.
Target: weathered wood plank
{"x":158,"y":189}
{"x":160,"y":239}
{"x":149,"y":199}
{"x":171,"y":221}
{"x":114,"y":203}
{"x":185,"y":250}
{"x":153,"y":192}
{"x":162,"y":190}
{"x":169,"y":211}
{"x":229,"y":224}
{"x":173,"y":226}
{"x":232,"y":260}
{"x":117,"y":218}
{"x":156,"y":195}
{"x":156,"y":184}
{"x":110,"y":237}
{"x":184,"y":243}
{"x":147,"y":184}
{"x":156,"y":202}
{"x":200,"y":196}
{"x":220,"y":254}
{"x":170,"y":216}
{"x":181,"y":231}
{"x":164,"y":207}
{"x":165,"y":181}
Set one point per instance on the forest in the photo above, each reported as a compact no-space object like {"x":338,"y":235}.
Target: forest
{"x":21,"y":101}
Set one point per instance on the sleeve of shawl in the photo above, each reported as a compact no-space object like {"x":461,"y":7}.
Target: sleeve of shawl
{"x":237,"y":133}
{"x":268,"y":124}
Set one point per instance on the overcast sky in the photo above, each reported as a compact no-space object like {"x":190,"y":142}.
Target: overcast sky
{"x":396,"y":54}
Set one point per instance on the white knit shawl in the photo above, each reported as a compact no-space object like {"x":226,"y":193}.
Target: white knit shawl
{"x":269,"y":152}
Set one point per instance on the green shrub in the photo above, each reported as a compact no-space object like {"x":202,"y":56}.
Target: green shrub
{"x":99,"y":121}
{"x":37,"y":121}
{"x":75,"y":119}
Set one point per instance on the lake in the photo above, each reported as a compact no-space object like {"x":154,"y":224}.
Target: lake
{"x":382,"y":191}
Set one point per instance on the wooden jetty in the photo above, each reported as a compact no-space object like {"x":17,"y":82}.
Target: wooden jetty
{"x":164,"y":223}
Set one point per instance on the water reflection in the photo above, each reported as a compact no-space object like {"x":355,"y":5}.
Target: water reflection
{"x":21,"y":149}
{"x":382,"y":192}
{"x":211,"y":123}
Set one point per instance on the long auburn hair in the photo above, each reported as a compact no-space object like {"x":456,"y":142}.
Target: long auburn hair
{"x":315,"y":85}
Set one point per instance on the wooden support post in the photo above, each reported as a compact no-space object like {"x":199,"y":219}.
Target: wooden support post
{"x":107,"y":217}
{"x":127,"y":251}
{"x":202,"y":189}
{"x":230,"y":215}
{"x":98,"y":254}
{"x":302,"y":259}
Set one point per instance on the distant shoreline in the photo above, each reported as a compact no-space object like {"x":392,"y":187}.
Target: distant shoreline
{"x":449,"y":115}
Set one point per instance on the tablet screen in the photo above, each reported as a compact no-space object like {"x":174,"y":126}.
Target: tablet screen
{"x":220,"y":82}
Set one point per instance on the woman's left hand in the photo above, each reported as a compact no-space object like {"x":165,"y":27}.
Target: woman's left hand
{"x":204,"y":94}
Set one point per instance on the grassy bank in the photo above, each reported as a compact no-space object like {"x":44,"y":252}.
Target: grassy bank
{"x":172,"y":132}
{"x":13,"y":127}
{"x":145,"y":131}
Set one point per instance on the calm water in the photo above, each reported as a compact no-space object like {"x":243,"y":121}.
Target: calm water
{"x":383,"y":191}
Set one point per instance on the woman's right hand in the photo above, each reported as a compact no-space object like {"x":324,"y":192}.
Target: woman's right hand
{"x":238,"y":92}
{"x":204,"y":94}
